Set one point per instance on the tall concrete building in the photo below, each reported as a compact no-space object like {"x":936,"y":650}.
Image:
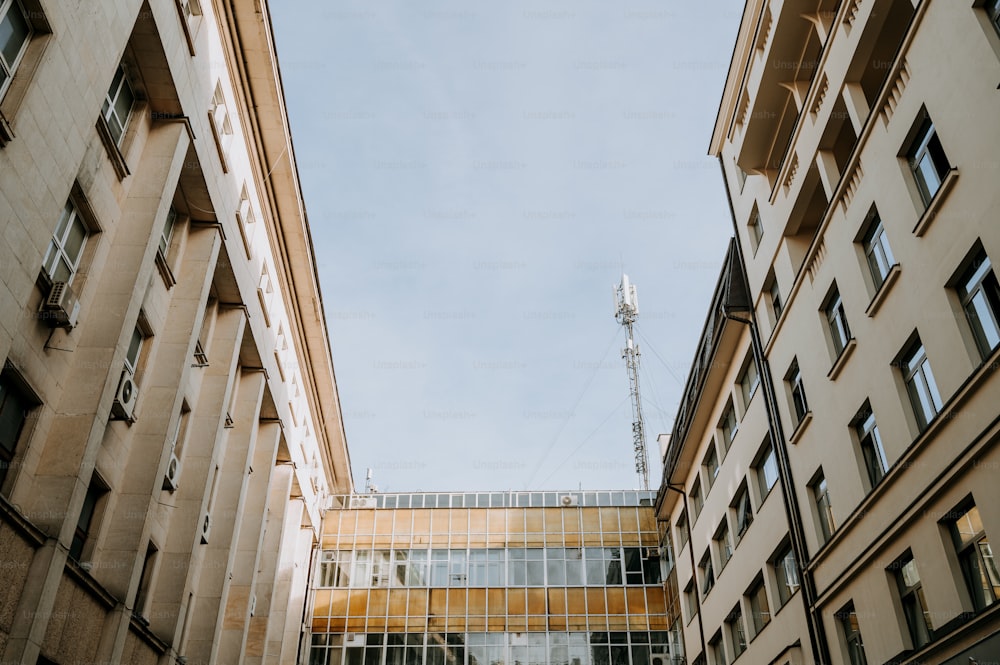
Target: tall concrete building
{"x":169,"y":423}
{"x":571,"y":578}
{"x":858,"y":143}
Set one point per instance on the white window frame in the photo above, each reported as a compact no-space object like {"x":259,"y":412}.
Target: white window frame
{"x":824,"y":507}
{"x":878,"y":252}
{"x":9,"y":69}
{"x":836,"y":319}
{"x":979,"y":294}
{"x":872,"y":450}
{"x":920,"y":384}
{"x":109,"y":109}
{"x":222,"y":125}
{"x":57,"y":252}
{"x":923,"y":157}
{"x":797,"y":392}
{"x":749,"y":388}
{"x":134,"y":351}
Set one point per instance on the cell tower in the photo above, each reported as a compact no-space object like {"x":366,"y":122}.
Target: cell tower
{"x":626,"y":311}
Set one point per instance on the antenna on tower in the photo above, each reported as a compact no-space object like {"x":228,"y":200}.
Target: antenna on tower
{"x":626,"y":312}
{"x":370,"y":487}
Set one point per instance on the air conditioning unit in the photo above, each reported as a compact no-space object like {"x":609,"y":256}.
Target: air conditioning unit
{"x":172,"y":473}
{"x":363,"y":502}
{"x":354,"y":639}
{"x":253,"y":604}
{"x":659,"y":659}
{"x":61,"y":307}
{"x":569,"y":500}
{"x":206,"y":528}
{"x":125,"y":397}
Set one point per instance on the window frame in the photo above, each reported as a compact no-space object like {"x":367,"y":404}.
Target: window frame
{"x":110,"y":107}
{"x":760,"y":617}
{"x":873,"y":456}
{"x":223,"y":128}
{"x":9,"y":70}
{"x":763,"y":461}
{"x":706,"y":571}
{"x":974,"y":563}
{"x":836,"y":321}
{"x":743,"y":510}
{"x":877,"y":250}
{"x":820,"y":489}
{"x":911,"y":597}
{"x":56,"y":252}
{"x":13,"y":395}
{"x":797,"y":393}
{"x":755,"y":230}
{"x":978,"y":272}
{"x":682,"y":529}
{"x":748,"y":389}
{"x":784,"y":562}
{"x":711,"y":470}
{"x":729,"y":425}
{"x":737,"y":630}
{"x":850,"y":628}
{"x":723,"y":544}
{"x":88,"y":523}
{"x":919,"y":382}
{"x":774,"y":295}
{"x":925,"y":155}
{"x":696,"y":497}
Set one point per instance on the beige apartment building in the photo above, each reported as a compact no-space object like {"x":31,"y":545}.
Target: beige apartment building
{"x":170,"y":430}
{"x":858,"y":142}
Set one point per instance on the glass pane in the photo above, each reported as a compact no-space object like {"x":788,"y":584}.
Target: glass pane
{"x":14,"y":33}
{"x":133,"y":348}
{"x":123,"y":104}
{"x":74,"y":240}
{"x":983,"y":321}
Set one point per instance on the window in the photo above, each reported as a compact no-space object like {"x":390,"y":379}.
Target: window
{"x":737,"y":633}
{"x":222,"y":126}
{"x":246,"y":219}
{"x":145,"y":581}
{"x":334,"y":568}
{"x":696,"y":499}
{"x":836,"y":321}
{"x":711,"y":464}
{"x":920,"y":384}
{"x":15,"y":33}
{"x":118,"y":105}
{"x":92,"y":505}
{"x":797,"y":391}
{"x":134,"y":349}
{"x":191,"y":8}
{"x":786,"y":571}
{"x":975,"y":555}
{"x":723,"y":544}
{"x":729,"y":426}
{"x":62,"y":258}
{"x":993,"y":9}
{"x":168,"y":231}
{"x":760,"y":611}
{"x":718,"y":650}
{"x":980,"y":295}
{"x":682,"y":530}
{"x":848,"y":619}
{"x":690,"y":600}
{"x":775,"y":292}
{"x":707,"y":574}
{"x":13,"y":407}
{"x":749,"y":380}
{"x":766,"y":469}
{"x":870,"y":440}
{"x":927,"y":160}
{"x":755,"y":230}
{"x":877,"y":250}
{"x":744,"y":511}
{"x":824,"y":510}
{"x":911,"y":596}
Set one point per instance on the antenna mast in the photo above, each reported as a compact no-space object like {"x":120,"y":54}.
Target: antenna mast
{"x":626,"y":311}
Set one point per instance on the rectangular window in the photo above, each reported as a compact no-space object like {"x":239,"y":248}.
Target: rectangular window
{"x":737,"y":632}
{"x":92,"y":504}
{"x":13,"y":412}
{"x":824,"y":509}
{"x":62,"y":258}
{"x":168,"y":231}
{"x":222,"y":126}
{"x":797,"y":391}
{"x":911,"y":596}
{"x":920,"y":384}
{"x":760,"y":610}
{"x":755,"y":230}
{"x":118,"y":104}
{"x":877,"y":250}
{"x":145,"y":581}
{"x":975,"y":555}
{"x":980,"y":295}
{"x":749,"y":380}
{"x":682,"y":530}
{"x":15,"y":33}
{"x":134,"y":349}
{"x":690,"y":601}
{"x":786,"y":571}
{"x":744,"y":511}
{"x":848,"y":619}
{"x":993,"y":9}
{"x":696,"y":499}
{"x":729,"y":426}
{"x":870,"y":440}
{"x":718,"y":650}
{"x":723,"y":544}
{"x":711,"y":464}
{"x":775,"y":292}
{"x":766,"y":469}
{"x":707,"y":574}
{"x":927,"y":160}
{"x":836,"y":321}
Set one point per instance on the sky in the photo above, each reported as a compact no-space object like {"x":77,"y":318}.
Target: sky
{"x":477,"y":177}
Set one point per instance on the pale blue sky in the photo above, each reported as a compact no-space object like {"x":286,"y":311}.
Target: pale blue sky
{"x":476,"y":175}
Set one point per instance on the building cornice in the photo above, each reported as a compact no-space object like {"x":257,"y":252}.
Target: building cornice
{"x":738,"y":68}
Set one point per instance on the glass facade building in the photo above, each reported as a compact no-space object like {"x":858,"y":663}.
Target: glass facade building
{"x":574,"y":578}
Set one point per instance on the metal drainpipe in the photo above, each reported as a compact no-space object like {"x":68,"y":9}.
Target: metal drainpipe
{"x":793,"y":513}
{"x":690,"y":547}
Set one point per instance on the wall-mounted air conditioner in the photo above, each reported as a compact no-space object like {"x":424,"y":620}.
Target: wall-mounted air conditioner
{"x":206,"y":528}
{"x":569,"y":500}
{"x":61,"y":307}
{"x":125,"y":397}
{"x":172,"y":473}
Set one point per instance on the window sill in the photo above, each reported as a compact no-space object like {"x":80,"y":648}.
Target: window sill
{"x":800,"y":428}
{"x":930,"y":214}
{"x":883,"y":290}
{"x":112,"y":149}
{"x":164,"y":269}
{"x":841,"y":360}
